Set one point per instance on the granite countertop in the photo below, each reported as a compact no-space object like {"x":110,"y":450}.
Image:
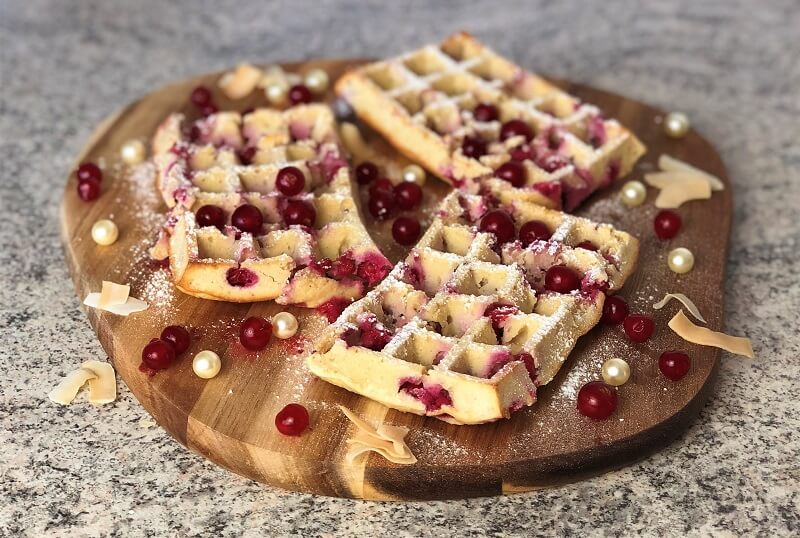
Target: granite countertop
{"x":732,"y":66}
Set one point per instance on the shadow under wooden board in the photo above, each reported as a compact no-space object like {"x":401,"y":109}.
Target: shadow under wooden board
{"x":230,"y":419}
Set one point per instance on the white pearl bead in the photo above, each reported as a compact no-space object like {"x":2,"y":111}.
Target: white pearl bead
{"x":284,"y":325}
{"x":277,"y":93}
{"x":414,"y":174}
{"x":633,"y":193}
{"x":317,"y":81}
{"x":133,"y":152}
{"x":676,"y":125}
{"x":616,"y":372}
{"x":105,"y":232}
{"x":206,"y":364}
{"x":681,"y":260}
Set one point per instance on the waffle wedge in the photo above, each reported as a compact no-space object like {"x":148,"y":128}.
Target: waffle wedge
{"x":227,"y":160}
{"x":465,"y":329}
{"x":448,"y":107}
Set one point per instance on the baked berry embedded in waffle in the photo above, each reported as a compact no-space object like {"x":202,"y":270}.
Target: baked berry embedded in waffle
{"x":479,"y":314}
{"x":484,"y":124}
{"x":262,"y":208}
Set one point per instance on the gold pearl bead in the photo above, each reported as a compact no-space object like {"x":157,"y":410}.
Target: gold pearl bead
{"x":284,"y":325}
{"x":676,"y":125}
{"x":317,"y":81}
{"x":681,"y":260}
{"x":633,"y":193}
{"x":414,"y":174}
{"x":206,"y":364}
{"x":133,"y":152}
{"x":616,"y":372}
{"x":105,"y":232}
{"x":277,"y":93}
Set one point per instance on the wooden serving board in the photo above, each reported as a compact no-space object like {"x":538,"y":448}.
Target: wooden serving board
{"x":230,"y":419}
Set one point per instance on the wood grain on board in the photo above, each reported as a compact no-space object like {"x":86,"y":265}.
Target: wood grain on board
{"x":230,"y":419}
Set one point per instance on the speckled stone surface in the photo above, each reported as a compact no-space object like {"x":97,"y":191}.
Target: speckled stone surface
{"x":734,"y":67}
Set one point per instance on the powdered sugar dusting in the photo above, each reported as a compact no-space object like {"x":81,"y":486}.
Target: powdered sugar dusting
{"x":159,"y":290}
{"x":438,"y":448}
{"x":141,"y":180}
{"x":150,"y":282}
{"x":576,"y":378}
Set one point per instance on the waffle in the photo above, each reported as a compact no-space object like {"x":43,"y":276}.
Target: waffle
{"x":229,"y":159}
{"x":465,"y":329}
{"x":424,"y":101}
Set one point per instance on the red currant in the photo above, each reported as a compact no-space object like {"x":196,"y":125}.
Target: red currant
{"x":381,"y":185}
{"x":406,"y":230}
{"x":533,"y":230}
{"x":292,"y":420}
{"x":667,"y":224}
{"x":247,"y":154}
{"x":638,"y":327}
{"x":211,"y":215}
{"x":561,"y":279}
{"x":255,"y":333}
{"x":158,"y":355}
{"x":290,"y":181}
{"x":299,"y":94}
{"x":514,"y":128}
{"x":247,"y":218}
{"x":551,"y":162}
{"x":499,"y":223}
{"x":380,"y":204}
{"x":299,"y":212}
{"x":178,"y":337}
{"x":374,"y":334}
{"x":409,"y":195}
{"x":200,"y":96}
{"x":209,"y":109}
{"x":89,"y":171}
{"x":597,"y":400}
{"x":88,"y":190}
{"x":373,"y":270}
{"x":499,"y":313}
{"x":366,"y":173}
{"x":513,"y":172}
{"x":241,"y":277}
{"x":473,"y":147}
{"x":525,"y":152}
{"x":343,"y":267}
{"x":323,"y":265}
{"x":615,"y":310}
{"x":674,"y":364}
{"x":485,"y":112}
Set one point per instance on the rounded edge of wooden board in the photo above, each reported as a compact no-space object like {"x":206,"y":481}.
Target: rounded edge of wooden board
{"x":559,"y":470}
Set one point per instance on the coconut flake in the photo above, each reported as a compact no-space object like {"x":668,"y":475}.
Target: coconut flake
{"x":678,"y":188}
{"x":671,"y":164}
{"x":386,"y":440}
{"x":103,"y":387}
{"x":690,"y":306}
{"x":114,"y":298}
{"x":66,"y":391}
{"x":690,"y":332}
{"x":113,"y":294}
{"x":241,"y":82}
